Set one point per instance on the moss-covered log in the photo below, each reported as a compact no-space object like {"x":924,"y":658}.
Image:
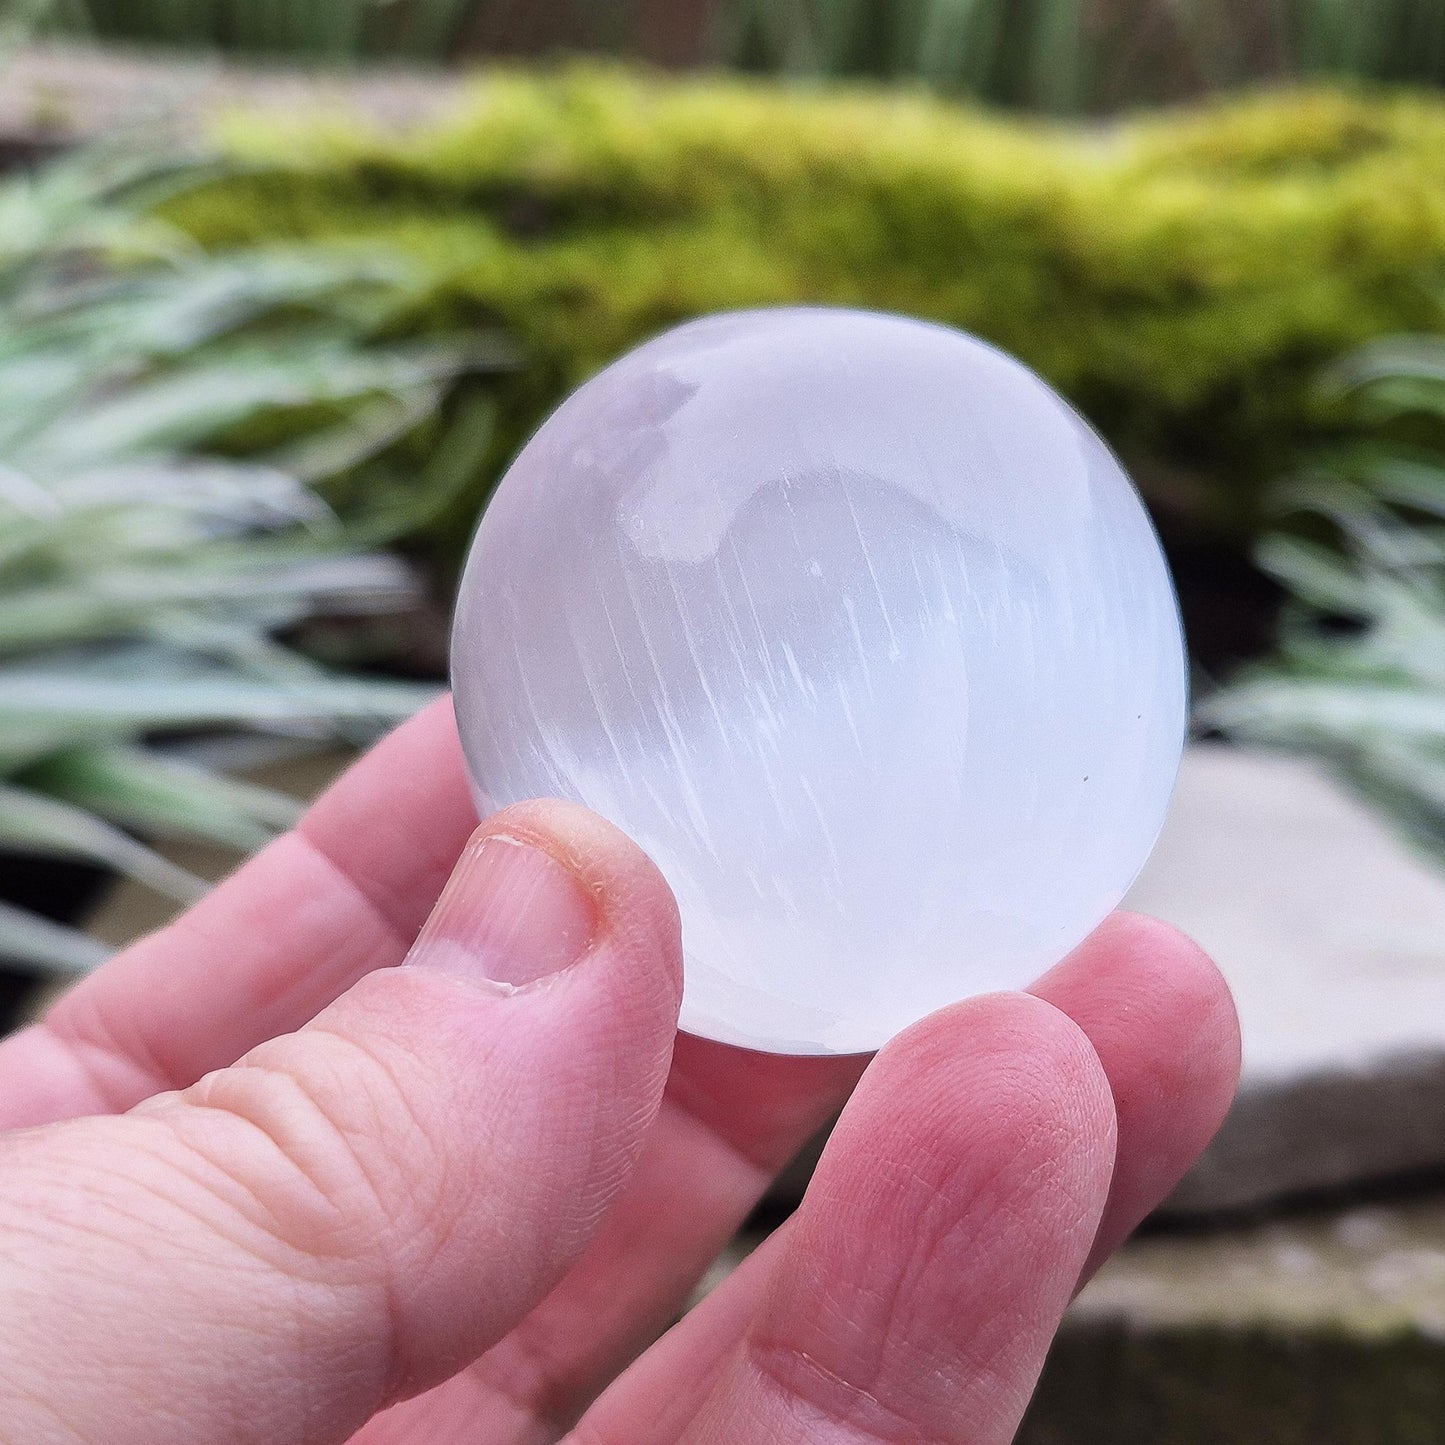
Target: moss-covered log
{"x":1181,"y":277}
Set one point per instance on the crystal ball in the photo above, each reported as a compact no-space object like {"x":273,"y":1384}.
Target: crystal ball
{"x":861,"y":632}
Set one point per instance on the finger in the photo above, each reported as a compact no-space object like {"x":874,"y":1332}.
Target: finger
{"x":355,"y":1209}
{"x":730,"y":1120}
{"x":1161,"y":1019}
{"x":341,"y":895}
{"x":938,"y":1244}
{"x":658,"y":1397}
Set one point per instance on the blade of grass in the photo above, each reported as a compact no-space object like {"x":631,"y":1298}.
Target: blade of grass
{"x":164,"y":797}
{"x":33,"y":823}
{"x":32,"y":941}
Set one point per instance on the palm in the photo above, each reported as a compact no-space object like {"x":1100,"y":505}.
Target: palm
{"x":913,"y":1294}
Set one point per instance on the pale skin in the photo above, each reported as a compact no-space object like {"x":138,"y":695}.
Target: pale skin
{"x":259,"y":1185}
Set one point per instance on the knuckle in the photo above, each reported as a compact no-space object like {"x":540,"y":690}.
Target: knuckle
{"x":845,"y":1410}
{"x":313,"y":1148}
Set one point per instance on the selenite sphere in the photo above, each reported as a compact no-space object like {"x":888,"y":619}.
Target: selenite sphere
{"x":861,"y":632}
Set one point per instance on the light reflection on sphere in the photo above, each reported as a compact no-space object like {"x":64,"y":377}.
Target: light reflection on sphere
{"x":857,"y":628}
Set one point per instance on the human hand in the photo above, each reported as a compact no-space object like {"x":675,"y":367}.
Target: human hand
{"x":258,"y":1185}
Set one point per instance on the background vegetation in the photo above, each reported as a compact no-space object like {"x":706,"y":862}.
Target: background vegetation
{"x":258,"y":358}
{"x":1061,"y":56}
{"x":151,"y":582}
{"x":1359,"y":547}
{"x":1069,"y":57}
{"x":1201,"y":284}
{"x":1182,"y":278}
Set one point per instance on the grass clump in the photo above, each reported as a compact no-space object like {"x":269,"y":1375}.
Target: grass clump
{"x":171,"y":419}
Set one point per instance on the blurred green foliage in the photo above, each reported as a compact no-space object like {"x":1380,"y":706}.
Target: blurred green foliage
{"x":1359,"y":678}
{"x":148,"y":576}
{"x":317,"y":29}
{"x":1059,"y":56}
{"x":1182,"y":278}
{"x":329,"y":31}
{"x":1069,"y":57}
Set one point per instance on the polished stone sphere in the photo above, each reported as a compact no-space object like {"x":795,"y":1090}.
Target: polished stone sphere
{"x":861,"y":632}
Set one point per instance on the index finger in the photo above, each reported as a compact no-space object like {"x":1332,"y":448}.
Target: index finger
{"x":343,"y":894}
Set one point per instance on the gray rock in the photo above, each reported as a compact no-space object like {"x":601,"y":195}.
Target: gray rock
{"x":1324,"y":1332}
{"x":57,"y":93}
{"x":1328,"y":1330}
{"x":1332,"y":936}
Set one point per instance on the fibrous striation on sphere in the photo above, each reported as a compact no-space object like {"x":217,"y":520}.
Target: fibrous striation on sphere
{"x":861,"y":632}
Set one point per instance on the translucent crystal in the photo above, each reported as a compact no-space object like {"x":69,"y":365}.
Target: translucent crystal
{"x":861,"y":632}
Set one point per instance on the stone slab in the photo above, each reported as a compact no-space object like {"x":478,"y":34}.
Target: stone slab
{"x":57,"y":94}
{"x":1369,"y":1271}
{"x":1323,"y":1331}
{"x":1332,"y":935}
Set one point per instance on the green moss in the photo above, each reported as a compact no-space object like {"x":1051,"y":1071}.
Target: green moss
{"x":1181,"y":277}
{"x":1110,"y":1385}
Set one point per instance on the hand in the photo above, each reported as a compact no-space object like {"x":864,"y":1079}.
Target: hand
{"x":256,"y":1184}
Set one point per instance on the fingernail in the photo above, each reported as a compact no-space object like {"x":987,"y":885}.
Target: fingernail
{"x":510,"y":915}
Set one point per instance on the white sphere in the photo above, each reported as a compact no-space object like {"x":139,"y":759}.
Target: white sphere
{"x":861,"y":632}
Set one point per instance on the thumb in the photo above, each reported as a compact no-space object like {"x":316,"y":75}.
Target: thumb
{"x":354,"y":1211}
